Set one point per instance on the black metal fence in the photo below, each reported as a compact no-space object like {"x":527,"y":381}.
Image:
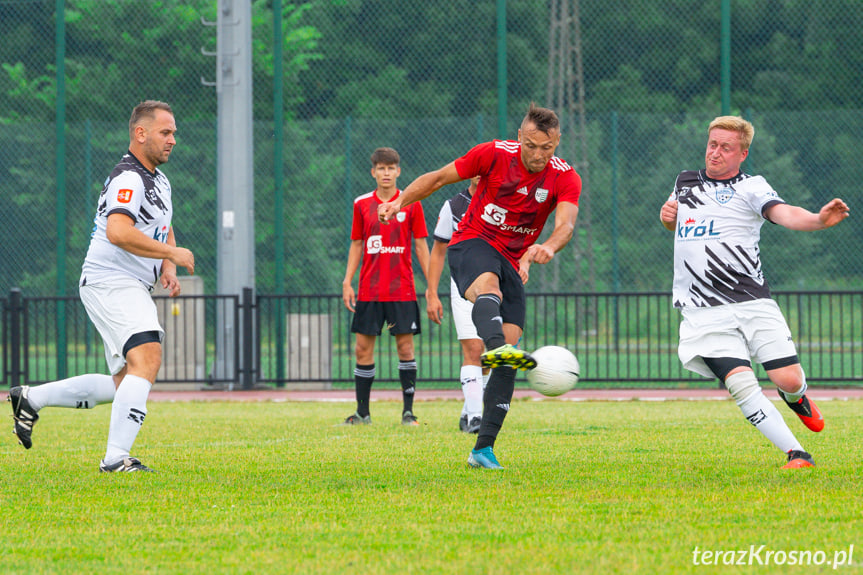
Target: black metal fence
{"x":620,"y":339}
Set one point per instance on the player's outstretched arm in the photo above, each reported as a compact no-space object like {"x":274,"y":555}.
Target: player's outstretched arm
{"x":801,"y":219}
{"x":419,"y":189}
{"x":668,"y":215}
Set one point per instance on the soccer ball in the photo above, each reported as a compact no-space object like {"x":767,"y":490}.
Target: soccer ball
{"x":556,"y":371}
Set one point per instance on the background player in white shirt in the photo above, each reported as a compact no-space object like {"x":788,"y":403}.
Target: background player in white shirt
{"x":131,"y":248}
{"x":729,"y":318}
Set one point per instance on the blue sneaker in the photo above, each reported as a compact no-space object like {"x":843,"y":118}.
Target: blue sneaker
{"x":483,"y":458}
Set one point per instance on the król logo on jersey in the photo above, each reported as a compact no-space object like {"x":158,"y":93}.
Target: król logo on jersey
{"x":400,"y":217}
{"x":375,"y":245}
{"x":724,"y":195}
{"x":124,"y":196}
{"x":692,"y":230}
{"x":161,"y":234}
{"x":541,"y":195}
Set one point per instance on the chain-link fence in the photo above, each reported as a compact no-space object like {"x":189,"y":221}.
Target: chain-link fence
{"x":426,"y":79}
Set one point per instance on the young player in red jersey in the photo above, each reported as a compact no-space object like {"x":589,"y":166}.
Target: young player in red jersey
{"x":521,"y":183}
{"x":386,"y":287}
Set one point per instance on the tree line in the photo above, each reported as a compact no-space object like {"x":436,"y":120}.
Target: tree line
{"x":422,"y":77}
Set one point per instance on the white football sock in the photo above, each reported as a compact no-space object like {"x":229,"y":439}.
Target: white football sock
{"x":795,"y":397}
{"x":761,"y":413}
{"x":485,"y":377}
{"x":471,"y":387}
{"x":82,"y":392}
{"x":127,"y":417}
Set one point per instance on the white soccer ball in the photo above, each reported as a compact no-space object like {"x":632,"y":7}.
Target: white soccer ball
{"x":556,"y":371}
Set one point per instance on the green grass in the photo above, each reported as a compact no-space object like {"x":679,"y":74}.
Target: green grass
{"x":596,"y":487}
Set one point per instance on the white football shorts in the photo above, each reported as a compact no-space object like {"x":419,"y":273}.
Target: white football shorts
{"x":753,"y":330}
{"x":461,"y":314}
{"x":119,"y":309}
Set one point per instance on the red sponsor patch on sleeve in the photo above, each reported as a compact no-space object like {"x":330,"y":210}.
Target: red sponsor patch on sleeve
{"x":124,"y":196}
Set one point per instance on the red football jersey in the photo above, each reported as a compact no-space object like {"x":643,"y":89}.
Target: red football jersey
{"x":511,"y":205}
{"x":386,"y":270}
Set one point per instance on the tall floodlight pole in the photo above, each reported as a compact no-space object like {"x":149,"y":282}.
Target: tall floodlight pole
{"x":566,"y":94}
{"x":235,"y":181}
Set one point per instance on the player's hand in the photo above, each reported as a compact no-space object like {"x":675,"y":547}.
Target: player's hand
{"x":434,"y":307}
{"x":349,"y":297}
{"x":833,"y":212}
{"x":538,"y":254}
{"x":388,"y":210}
{"x":668,"y":213}
{"x":170,"y":282}
{"x":524,"y":270}
{"x":181,"y":257}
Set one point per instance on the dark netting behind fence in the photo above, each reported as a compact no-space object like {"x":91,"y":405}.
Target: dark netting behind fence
{"x":426,"y":79}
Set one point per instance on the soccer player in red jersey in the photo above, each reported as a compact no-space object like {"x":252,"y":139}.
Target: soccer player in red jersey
{"x":521,"y":183}
{"x":386,"y":286}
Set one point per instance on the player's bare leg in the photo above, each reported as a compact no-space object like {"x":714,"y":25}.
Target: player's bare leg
{"x":791,"y":384}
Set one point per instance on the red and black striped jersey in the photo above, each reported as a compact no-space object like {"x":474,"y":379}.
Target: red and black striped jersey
{"x":511,"y":204}
{"x":386,"y":270}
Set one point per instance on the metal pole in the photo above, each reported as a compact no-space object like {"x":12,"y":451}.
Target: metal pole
{"x":235,"y":203}
{"x":278,"y":187}
{"x":615,"y":223}
{"x":501,"y":70}
{"x":60,"y":170}
{"x":15,"y":345}
{"x":725,"y":57}
{"x":349,"y":197}
{"x":247,"y":373}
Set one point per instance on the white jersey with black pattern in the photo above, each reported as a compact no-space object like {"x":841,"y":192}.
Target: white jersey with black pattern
{"x":716,"y":253}
{"x":144,"y":196}
{"x":451,"y":214}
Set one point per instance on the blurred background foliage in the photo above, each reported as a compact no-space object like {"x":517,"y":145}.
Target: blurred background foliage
{"x":423,"y":78}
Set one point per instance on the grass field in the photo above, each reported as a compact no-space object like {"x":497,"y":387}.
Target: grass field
{"x":596,"y":487}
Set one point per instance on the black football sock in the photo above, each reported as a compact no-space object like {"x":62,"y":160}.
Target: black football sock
{"x":408,"y":378}
{"x":496,"y":399}
{"x":486,"y":317}
{"x":364,"y":376}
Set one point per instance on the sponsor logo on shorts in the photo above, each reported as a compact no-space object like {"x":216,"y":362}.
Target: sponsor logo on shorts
{"x":124,"y":196}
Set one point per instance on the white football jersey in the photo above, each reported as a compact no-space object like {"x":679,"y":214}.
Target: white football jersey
{"x":144,"y":196}
{"x":716,"y":254}
{"x":451,"y":214}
